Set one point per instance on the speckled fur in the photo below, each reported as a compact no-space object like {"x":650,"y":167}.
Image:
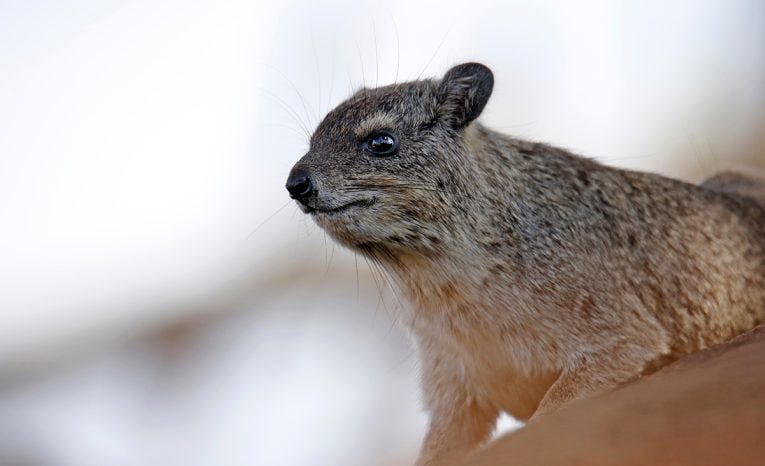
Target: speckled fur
{"x":535,"y":276}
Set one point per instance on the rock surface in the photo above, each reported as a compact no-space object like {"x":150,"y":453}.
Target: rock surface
{"x":706,"y":409}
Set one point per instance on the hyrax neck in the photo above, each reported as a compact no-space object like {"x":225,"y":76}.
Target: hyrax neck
{"x":451,"y":293}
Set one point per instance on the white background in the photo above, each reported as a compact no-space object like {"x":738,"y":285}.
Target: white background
{"x":143,"y":150}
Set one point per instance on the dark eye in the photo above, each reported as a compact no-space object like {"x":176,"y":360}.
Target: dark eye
{"x":381,"y":144}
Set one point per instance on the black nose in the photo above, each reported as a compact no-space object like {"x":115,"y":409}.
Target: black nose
{"x":299,"y":185}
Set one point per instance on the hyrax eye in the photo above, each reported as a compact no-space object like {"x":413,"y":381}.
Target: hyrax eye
{"x":381,"y":144}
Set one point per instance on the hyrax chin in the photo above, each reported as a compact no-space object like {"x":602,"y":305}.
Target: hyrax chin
{"x":535,"y":276}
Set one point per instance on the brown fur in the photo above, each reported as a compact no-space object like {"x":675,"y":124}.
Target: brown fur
{"x":535,"y":276}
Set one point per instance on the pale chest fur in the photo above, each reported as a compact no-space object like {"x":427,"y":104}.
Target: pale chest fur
{"x":477,"y":340}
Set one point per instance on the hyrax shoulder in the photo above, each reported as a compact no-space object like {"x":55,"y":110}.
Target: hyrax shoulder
{"x":535,"y":276}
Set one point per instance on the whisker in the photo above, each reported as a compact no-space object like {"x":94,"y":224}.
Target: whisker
{"x":356,"y":262}
{"x":398,"y":47}
{"x":318,"y":70}
{"x":392,"y":289}
{"x":361,"y":60}
{"x":331,"y":80}
{"x":374,"y":278}
{"x":377,"y":60}
{"x":302,"y":136}
{"x":446,"y":34}
{"x":331,"y":254}
{"x":324,"y":239}
{"x":372,"y":182}
{"x":290,"y":112}
{"x":396,"y":314}
{"x":377,"y":285}
{"x":294,"y":88}
{"x":269,"y":218}
{"x":365,"y":187}
{"x":401,"y":362}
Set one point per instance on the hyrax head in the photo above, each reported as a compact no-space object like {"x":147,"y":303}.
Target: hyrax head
{"x":382,"y":164}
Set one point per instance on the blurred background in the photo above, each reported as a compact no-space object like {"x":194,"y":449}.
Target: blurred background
{"x":161,"y":300}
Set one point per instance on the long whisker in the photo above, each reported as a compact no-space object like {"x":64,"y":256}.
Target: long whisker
{"x":361,"y":60}
{"x":377,"y":60}
{"x":367,"y":186}
{"x":377,"y":270}
{"x":356,"y":262}
{"x":291,"y":112}
{"x":331,"y":78}
{"x":373,"y":272}
{"x":331,"y":254}
{"x":377,"y":285}
{"x":398,"y":48}
{"x":295,"y":89}
{"x":387,"y":280}
{"x":366,"y":181}
{"x":318,"y":71}
{"x":446,"y":34}
{"x":302,"y":136}
{"x":269,"y":218}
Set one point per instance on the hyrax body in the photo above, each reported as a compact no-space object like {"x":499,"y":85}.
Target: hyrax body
{"x":535,"y":276}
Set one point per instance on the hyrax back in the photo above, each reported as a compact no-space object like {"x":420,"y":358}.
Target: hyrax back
{"x":535,"y":276}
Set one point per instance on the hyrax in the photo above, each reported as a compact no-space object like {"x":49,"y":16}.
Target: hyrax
{"x":535,"y":276}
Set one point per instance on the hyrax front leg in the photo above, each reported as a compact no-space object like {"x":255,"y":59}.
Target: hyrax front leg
{"x":455,"y":431}
{"x":459,"y":422}
{"x":597,"y":372}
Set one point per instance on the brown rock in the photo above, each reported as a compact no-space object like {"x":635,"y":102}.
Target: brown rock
{"x":706,"y":409}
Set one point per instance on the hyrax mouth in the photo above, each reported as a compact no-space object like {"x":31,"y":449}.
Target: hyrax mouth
{"x":364,"y":203}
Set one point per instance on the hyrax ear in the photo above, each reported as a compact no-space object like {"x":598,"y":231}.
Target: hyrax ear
{"x":464,"y":90}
